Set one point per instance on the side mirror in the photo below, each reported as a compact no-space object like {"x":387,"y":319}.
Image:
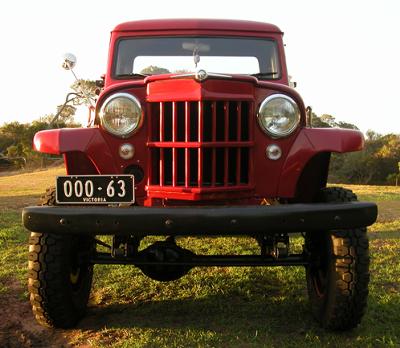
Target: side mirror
{"x":69,"y":61}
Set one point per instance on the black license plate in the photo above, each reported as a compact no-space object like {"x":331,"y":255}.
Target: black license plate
{"x":95,"y":189}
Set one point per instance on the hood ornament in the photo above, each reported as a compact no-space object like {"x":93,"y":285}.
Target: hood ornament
{"x":201,"y":75}
{"x":196,"y":56}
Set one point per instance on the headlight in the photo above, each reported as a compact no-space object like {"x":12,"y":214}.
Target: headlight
{"x":121,"y":114}
{"x":278,"y":115}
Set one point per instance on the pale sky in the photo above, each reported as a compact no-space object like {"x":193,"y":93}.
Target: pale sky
{"x":344,"y":55}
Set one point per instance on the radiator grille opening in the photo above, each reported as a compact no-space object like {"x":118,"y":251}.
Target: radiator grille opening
{"x":200,"y":144}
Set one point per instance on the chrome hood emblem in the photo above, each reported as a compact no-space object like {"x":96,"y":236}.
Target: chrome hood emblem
{"x":201,"y":75}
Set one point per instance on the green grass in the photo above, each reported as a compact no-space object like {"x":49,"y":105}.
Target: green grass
{"x":215,"y":307}
{"x":375,"y":193}
{"x":234,"y":307}
{"x":13,"y":249}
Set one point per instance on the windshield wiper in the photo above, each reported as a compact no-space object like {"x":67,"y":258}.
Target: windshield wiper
{"x":265,"y":74}
{"x":132,"y":75}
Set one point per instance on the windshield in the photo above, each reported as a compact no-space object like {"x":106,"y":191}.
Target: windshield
{"x":163,"y":55}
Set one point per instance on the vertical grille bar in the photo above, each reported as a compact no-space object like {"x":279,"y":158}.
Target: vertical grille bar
{"x":161,"y":139}
{"x":226,"y":136}
{"x":187,"y":139}
{"x":251,"y":152}
{"x":214,"y":121}
{"x":200,"y":139}
{"x":238,"y":138}
{"x":214,"y":138}
{"x":239,"y":121}
{"x":174,"y":138}
{"x":149,"y":150}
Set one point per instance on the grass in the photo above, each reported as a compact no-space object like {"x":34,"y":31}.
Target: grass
{"x":213,"y":307}
{"x":375,"y":193}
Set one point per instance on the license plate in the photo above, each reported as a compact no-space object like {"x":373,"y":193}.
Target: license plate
{"x":95,"y":189}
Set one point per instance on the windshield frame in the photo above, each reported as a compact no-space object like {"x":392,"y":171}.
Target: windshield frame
{"x":275,"y":42}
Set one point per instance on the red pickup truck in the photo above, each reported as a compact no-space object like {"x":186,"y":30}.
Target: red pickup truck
{"x":197,"y":132}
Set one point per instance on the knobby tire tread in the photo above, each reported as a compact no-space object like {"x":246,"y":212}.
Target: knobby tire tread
{"x":53,"y":302}
{"x":345,"y":304}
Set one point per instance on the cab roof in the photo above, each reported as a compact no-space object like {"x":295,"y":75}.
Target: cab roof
{"x":197,"y":24}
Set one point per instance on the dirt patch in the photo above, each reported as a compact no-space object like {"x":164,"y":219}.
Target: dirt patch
{"x":388,"y":211}
{"x":18,"y":327}
{"x":32,"y":169}
{"x":18,"y":202}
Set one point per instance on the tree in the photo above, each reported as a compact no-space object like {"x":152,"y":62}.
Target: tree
{"x":317,"y":122}
{"x":16,"y":138}
{"x":11,"y":134}
{"x":67,"y":112}
{"x":346,"y":125}
{"x":398,"y":174}
{"x":330,"y":121}
{"x":377,"y":163}
{"x":390,"y":147}
{"x":84,"y":93}
{"x":181,"y":71}
{"x":371,"y":135}
{"x":87,"y":92}
{"x":154,"y":70}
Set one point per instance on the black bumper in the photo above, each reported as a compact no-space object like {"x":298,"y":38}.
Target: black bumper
{"x":236,"y":220}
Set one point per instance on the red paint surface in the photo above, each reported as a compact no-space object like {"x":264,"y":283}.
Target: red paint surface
{"x":193,"y":27}
{"x":267,"y":178}
{"x":309,"y":142}
{"x":167,"y":25}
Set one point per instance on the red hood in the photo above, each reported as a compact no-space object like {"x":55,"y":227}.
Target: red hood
{"x":166,"y":87}
{"x":188,"y":89}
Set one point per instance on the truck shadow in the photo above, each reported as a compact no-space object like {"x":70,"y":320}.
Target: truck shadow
{"x":277,"y":313}
{"x":217,"y":313}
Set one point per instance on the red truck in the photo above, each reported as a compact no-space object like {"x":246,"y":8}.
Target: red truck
{"x":197,"y":132}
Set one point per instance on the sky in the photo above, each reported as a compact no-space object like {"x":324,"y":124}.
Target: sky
{"x":344,"y":55}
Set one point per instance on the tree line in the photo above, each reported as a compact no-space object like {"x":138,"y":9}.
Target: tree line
{"x":16,"y":138}
{"x":378,"y":163}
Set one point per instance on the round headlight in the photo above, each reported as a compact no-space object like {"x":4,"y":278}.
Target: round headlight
{"x":121,"y":114}
{"x":278,"y":115}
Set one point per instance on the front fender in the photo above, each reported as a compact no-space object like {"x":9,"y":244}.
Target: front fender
{"x":59,"y":141}
{"x":89,"y":141}
{"x":310,"y":142}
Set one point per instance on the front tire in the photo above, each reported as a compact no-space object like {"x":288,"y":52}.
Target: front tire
{"x":60,"y":275}
{"x":338,"y":273}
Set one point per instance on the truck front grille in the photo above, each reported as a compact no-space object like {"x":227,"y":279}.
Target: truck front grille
{"x":200,"y":144}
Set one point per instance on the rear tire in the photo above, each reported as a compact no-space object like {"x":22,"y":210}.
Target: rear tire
{"x":338,"y":273}
{"x":60,"y":275}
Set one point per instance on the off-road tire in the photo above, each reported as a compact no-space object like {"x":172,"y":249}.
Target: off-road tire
{"x":338,"y":274}
{"x":60,"y":275}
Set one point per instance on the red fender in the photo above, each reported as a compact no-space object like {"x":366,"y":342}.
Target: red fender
{"x":87,"y":140}
{"x":310,"y":142}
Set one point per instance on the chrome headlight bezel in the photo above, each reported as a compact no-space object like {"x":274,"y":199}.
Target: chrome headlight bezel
{"x":131,"y":130}
{"x":294,"y":122}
